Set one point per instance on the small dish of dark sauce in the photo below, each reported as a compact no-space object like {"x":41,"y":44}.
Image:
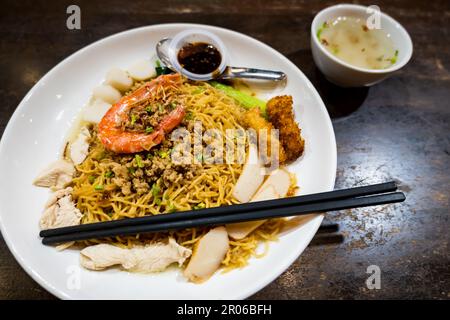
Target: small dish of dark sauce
{"x":199,"y":57}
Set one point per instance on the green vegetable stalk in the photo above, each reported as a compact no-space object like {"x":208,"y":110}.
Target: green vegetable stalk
{"x":246,"y":100}
{"x":160,"y":69}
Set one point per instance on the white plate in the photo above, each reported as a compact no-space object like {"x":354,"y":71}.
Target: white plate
{"x":35,"y":135}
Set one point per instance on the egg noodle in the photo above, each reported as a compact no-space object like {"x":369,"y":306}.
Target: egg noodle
{"x":212,"y":186}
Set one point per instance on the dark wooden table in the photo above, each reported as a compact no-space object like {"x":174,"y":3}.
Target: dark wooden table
{"x":399,"y":129}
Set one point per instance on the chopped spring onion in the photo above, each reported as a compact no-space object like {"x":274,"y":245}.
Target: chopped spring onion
{"x":133,"y":119}
{"x":171,"y":208}
{"x":99,"y":187}
{"x":109,"y":174}
{"x":189,"y":116}
{"x":149,"y":130}
{"x":155,"y":190}
{"x":199,"y":157}
{"x":139,"y":161}
{"x":163,"y":154}
{"x":319,"y":32}
{"x":246,"y":100}
{"x":91,"y":179}
{"x":394,"y":59}
{"x":198,"y":90}
{"x":201,"y":205}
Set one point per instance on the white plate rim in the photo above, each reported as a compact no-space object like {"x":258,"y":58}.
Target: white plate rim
{"x":281,"y":267}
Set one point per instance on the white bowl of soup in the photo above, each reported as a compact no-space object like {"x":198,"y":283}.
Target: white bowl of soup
{"x":355,"y":46}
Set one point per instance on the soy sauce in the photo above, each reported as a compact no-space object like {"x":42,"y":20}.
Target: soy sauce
{"x":199,"y":57}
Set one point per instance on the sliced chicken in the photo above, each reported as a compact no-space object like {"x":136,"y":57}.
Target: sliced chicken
{"x":242,"y":229}
{"x":149,"y":258}
{"x":208,"y":255}
{"x":64,"y":246}
{"x":276,"y":186}
{"x":56,"y":175}
{"x":60,"y":211}
{"x":251,"y":177}
{"x":157,"y":258}
{"x":79,"y":148}
{"x":280,"y":180}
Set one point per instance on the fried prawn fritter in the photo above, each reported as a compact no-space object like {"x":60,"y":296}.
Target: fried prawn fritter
{"x":253,"y":119}
{"x":281,"y":115}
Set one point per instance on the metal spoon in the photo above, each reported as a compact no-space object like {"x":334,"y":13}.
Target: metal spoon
{"x":229,"y":72}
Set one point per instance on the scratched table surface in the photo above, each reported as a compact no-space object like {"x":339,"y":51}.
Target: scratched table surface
{"x":398,"y":129}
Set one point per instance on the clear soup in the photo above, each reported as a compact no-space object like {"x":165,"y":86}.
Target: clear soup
{"x":349,"y":39}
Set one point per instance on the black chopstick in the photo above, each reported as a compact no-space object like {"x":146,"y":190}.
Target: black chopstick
{"x":259,"y":214}
{"x":234,"y":209}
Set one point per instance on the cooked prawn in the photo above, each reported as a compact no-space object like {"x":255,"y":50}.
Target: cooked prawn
{"x":116,"y":139}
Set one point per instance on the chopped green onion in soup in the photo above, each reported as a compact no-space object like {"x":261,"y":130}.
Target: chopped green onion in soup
{"x":349,"y":39}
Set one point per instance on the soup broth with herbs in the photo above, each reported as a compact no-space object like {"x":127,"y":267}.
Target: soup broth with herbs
{"x":349,"y":39}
